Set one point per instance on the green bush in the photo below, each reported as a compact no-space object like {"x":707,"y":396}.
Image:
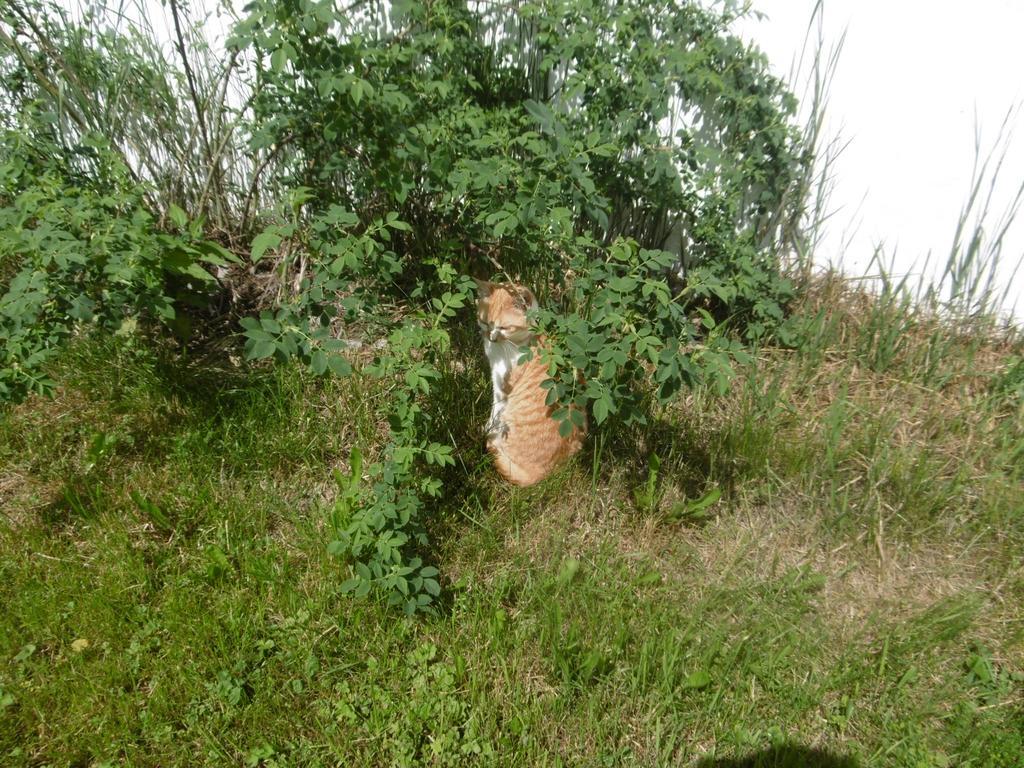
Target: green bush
{"x":560,"y":143}
{"x":78,"y":248}
{"x":590,"y":150}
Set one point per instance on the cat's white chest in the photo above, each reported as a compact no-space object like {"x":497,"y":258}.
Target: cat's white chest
{"x":503,"y":357}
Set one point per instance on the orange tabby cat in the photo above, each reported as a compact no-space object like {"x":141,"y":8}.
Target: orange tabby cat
{"x":521,"y":435}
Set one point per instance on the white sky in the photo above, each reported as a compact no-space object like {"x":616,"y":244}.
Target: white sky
{"x":911,"y":76}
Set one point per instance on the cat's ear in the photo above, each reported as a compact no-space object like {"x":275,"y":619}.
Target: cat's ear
{"x":483,"y":287}
{"x":527,"y":297}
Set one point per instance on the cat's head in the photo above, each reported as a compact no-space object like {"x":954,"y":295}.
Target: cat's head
{"x":501,"y":312}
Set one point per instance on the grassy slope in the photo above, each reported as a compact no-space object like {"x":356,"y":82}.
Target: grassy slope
{"x":853,"y":599}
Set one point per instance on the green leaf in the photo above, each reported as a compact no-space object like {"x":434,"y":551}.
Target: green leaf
{"x":396,"y":223}
{"x":262,"y":349}
{"x":503,"y":221}
{"x":196,"y":271}
{"x":336,"y":547}
{"x":697,"y":680}
{"x":567,"y":573}
{"x":604,"y":150}
{"x":650,"y":578}
{"x":696,"y":508}
{"x":355,"y":461}
{"x":150,"y":509}
{"x":318,"y":362}
{"x":263,"y":242}
{"x":540,"y":112}
{"x":339,"y":365}
{"x":214,"y":253}
{"x":358,"y":89}
{"x":705,"y":501}
{"x":325,"y":86}
{"x":178,"y":216}
{"x":280,"y":58}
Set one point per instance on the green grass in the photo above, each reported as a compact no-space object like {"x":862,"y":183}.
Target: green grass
{"x":823,"y":568}
{"x":851,"y":600}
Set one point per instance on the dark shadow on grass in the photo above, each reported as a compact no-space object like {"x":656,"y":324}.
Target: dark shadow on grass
{"x":148,"y":405}
{"x":686,"y":462}
{"x":691,"y":461}
{"x":788,"y":756}
{"x":239,"y":416}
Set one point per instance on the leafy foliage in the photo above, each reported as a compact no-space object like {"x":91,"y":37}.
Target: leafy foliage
{"x":629,"y":328}
{"x":444,"y":138}
{"x":633,"y":162}
{"x":174,"y":114}
{"x":78,"y":247}
{"x":378,"y":526}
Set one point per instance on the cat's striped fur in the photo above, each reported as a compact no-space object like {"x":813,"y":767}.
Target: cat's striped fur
{"x":521,"y":435}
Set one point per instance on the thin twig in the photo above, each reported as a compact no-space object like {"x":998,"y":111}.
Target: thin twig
{"x":256,"y":178}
